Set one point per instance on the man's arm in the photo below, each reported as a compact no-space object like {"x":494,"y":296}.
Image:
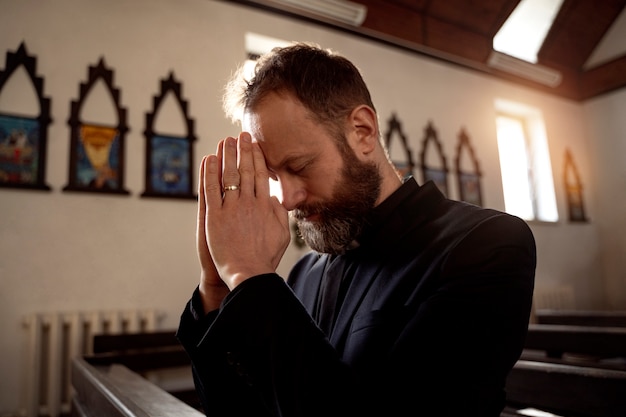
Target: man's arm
{"x":263,"y":355}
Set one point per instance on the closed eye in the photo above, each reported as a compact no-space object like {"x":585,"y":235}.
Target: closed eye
{"x":295,"y":165}
{"x":298,"y":169}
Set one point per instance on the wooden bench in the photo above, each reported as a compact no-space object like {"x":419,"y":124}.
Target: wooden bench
{"x":150,"y":355}
{"x":570,"y":370}
{"x":603,"y":347}
{"x":125,"y":341}
{"x":581,"y":317}
{"x":566,"y":390}
{"x":140,"y":352}
{"x":580,"y":390}
{"x":116,"y":391}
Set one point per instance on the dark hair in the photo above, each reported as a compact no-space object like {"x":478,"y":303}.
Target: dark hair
{"x":327,"y":84}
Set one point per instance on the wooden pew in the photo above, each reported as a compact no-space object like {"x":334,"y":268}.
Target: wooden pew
{"x":599,"y":341}
{"x":140,"y":352}
{"x":150,"y":355}
{"x":594,"y":346}
{"x":539,"y":384}
{"x":570,"y":370}
{"x":125,"y":341}
{"x":581,"y":317}
{"x":566,"y":390}
{"x":116,"y":391}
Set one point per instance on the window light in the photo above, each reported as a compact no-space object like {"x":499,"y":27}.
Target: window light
{"x":527,"y":179}
{"x":523,"y":33}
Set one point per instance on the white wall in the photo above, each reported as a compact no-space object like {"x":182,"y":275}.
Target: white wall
{"x":606,"y":134}
{"x":68,"y":251}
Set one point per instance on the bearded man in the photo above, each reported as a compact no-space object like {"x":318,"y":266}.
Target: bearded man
{"x":410,"y":304}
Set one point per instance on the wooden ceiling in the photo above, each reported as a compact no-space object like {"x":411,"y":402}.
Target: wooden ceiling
{"x":462,"y":31}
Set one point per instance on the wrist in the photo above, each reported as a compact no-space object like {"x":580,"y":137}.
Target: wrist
{"x":235,"y":278}
{"x":212,"y":293}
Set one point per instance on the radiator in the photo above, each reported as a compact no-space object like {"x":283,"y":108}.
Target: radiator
{"x":54,"y":339}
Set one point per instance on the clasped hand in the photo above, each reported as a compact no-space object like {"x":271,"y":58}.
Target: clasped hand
{"x":242,"y":231}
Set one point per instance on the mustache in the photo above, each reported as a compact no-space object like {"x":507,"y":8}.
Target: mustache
{"x":304,"y":211}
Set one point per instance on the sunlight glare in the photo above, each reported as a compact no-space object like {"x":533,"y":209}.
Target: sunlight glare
{"x":514,"y":166}
{"x":523,"y":33}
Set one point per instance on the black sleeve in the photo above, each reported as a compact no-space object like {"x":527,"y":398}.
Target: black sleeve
{"x":261,"y":354}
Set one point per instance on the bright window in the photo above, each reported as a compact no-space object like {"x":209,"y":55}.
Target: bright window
{"x":524,"y":31}
{"x":527,"y":179}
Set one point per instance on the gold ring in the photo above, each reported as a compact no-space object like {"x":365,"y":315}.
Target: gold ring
{"x":231,"y":188}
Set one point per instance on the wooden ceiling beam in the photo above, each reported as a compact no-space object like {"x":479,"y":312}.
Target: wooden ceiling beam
{"x":603,"y":78}
{"x":394,"y":21}
{"x":456,"y":40}
{"x":577,"y":29}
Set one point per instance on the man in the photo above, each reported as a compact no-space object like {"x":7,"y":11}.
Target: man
{"x":410,"y":304}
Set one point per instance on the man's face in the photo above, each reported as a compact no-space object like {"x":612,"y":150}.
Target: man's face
{"x":328,"y":192}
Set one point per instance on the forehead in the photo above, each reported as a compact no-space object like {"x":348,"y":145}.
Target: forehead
{"x":284,"y":128}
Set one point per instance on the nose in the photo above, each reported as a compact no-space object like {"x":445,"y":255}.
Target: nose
{"x":293,"y":192}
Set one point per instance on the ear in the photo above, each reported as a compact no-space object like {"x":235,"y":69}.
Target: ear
{"x":363,"y":130}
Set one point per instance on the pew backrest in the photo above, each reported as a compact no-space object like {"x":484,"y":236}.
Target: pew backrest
{"x":559,"y":339}
{"x":125,"y":341}
{"x":567,"y":390}
{"x":116,"y":391}
{"x":581,"y":317}
{"x":140,"y":351}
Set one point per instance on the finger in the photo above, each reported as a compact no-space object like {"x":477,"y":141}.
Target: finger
{"x":220,"y":155}
{"x":201,"y":197}
{"x":219,"y":152}
{"x":246,"y":164}
{"x":212,"y":183}
{"x":261,"y":174}
{"x":203,"y":248}
{"x":230,"y":173}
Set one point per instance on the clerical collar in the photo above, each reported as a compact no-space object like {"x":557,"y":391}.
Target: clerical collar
{"x":375,"y":218}
{"x":381,"y":211}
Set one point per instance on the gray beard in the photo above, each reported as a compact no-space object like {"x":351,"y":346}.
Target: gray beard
{"x":342,"y":219}
{"x":333,"y":236}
